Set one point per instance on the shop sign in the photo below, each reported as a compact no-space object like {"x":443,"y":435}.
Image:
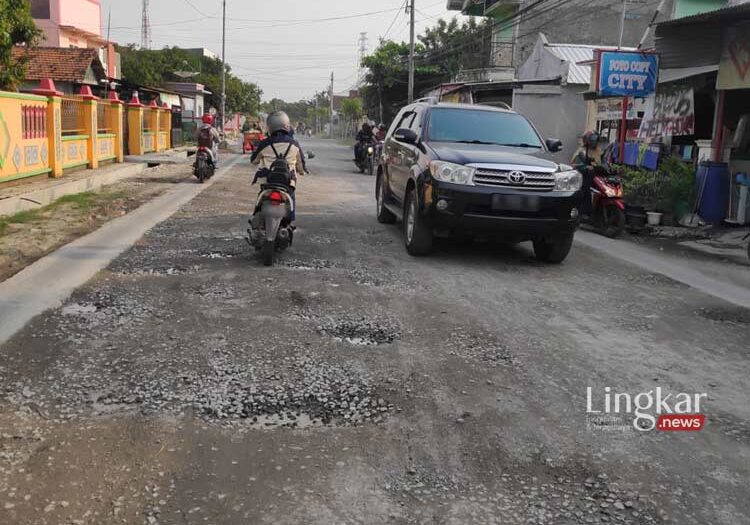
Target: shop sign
{"x":734,"y":68}
{"x":627,"y":74}
{"x":611,"y":109}
{"x":669,"y":113}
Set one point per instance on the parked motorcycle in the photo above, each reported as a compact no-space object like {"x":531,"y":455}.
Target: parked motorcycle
{"x":607,"y":204}
{"x":204,"y":164}
{"x":271,"y":224}
{"x":367,"y":163}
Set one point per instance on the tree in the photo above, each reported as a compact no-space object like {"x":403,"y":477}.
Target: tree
{"x":351,"y":109}
{"x":155,"y":67}
{"x":453,"y":47}
{"x":385,"y":88}
{"x":16,"y":28}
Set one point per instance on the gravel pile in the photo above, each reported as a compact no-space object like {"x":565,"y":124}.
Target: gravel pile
{"x":479,"y":346}
{"x":361,"y":331}
{"x":224,"y":384}
{"x":517,"y":499}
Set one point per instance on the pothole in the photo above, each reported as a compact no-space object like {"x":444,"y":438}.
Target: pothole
{"x":725,"y":315}
{"x":361,"y":331}
{"x":479,"y":347}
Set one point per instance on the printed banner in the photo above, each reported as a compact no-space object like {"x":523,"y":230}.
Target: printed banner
{"x":669,"y":113}
{"x":627,"y":74}
{"x":734,"y":68}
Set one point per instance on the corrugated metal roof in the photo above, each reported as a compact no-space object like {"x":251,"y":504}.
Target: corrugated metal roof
{"x":728,"y":13}
{"x":574,"y":54}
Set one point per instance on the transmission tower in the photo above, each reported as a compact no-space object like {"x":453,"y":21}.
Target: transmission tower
{"x":145,"y":27}
{"x":362,"y":48}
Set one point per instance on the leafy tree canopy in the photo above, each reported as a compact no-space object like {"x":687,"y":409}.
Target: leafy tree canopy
{"x":155,"y":67}
{"x":16,"y":28}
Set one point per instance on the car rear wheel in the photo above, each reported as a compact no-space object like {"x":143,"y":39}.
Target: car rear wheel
{"x":385,"y":216}
{"x":417,"y":235}
{"x":554,"y":249}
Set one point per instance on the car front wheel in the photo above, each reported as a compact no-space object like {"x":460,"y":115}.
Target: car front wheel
{"x":553,"y":249}
{"x":417,"y":234}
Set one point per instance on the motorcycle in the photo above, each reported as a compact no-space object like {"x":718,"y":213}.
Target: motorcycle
{"x":204,"y":164}
{"x":367,"y":162}
{"x":607,"y":204}
{"x":270,"y":226}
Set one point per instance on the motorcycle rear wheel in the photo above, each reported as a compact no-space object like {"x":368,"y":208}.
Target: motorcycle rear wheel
{"x":267,"y":252}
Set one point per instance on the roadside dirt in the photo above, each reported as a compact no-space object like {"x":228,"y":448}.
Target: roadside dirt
{"x":29,"y":236}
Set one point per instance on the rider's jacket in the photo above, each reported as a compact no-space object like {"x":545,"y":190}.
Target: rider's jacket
{"x":264,"y":155}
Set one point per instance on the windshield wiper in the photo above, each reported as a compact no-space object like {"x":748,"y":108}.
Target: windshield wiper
{"x":478,"y":142}
{"x":522,"y":145}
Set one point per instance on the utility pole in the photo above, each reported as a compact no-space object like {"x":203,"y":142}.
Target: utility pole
{"x":411,"y":52}
{"x":622,"y":22}
{"x":331,"y":97}
{"x":223,"y":63}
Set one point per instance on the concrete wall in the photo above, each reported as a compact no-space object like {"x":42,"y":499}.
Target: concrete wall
{"x":83,"y":14}
{"x":556,"y":111}
{"x":595,"y":22}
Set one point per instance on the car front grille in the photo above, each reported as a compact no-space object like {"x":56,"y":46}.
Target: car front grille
{"x":533,"y":181}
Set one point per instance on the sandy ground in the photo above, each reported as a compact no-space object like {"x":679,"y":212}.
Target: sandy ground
{"x":22,"y":244}
{"x":188,"y":384}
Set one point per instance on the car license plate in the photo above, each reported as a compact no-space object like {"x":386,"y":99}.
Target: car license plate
{"x":515,"y":202}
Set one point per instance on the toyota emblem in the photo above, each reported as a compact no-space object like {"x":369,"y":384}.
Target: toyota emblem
{"x":517,"y":177}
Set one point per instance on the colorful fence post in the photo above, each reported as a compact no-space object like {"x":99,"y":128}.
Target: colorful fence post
{"x":115,"y":125}
{"x":135,"y":126}
{"x":165,"y":129}
{"x":153,"y":120}
{"x":54,"y":126}
{"x":90,"y":125}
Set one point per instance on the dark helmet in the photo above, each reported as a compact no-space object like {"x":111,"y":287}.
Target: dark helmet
{"x":278,"y":121}
{"x":590,"y":139}
{"x":366,"y":127}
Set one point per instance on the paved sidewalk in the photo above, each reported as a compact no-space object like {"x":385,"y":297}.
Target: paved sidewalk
{"x":720,"y":279}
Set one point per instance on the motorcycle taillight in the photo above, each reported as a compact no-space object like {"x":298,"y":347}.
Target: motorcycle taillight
{"x":276,"y":197}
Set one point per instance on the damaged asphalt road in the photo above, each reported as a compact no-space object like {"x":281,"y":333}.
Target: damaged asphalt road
{"x":351,"y":383}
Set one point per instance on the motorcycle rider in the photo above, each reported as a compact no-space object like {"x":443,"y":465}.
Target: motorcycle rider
{"x":364,"y":136}
{"x":280,"y":136}
{"x":209,"y":137}
{"x":380,"y":135}
{"x":586,"y":158}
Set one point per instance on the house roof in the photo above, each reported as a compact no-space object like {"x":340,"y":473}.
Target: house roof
{"x":574,"y":54}
{"x":729,"y":13}
{"x":59,"y":63}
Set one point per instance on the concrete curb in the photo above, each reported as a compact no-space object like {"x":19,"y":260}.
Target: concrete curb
{"x":50,"y":280}
{"x":41,"y":197}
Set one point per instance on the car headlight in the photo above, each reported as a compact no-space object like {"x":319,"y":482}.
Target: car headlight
{"x":570,"y":180}
{"x":454,"y":173}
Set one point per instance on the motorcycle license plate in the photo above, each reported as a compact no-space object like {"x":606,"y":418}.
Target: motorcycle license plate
{"x":515,"y":202}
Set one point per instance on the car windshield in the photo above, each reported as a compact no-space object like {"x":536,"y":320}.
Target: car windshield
{"x":476,"y":126}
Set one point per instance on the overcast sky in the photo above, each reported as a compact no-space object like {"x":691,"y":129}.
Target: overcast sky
{"x":282,"y":45}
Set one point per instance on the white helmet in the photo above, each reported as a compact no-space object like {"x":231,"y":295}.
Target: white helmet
{"x":277,"y":121}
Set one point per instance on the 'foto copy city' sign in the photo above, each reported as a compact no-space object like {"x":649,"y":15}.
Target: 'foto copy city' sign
{"x":627,"y":74}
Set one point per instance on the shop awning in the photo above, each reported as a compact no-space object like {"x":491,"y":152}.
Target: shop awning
{"x":670,"y":75}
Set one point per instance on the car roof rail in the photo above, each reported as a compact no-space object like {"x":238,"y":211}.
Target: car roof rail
{"x":428,"y":100}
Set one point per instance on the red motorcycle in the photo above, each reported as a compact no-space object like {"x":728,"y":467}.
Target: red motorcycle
{"x":607,"y":213}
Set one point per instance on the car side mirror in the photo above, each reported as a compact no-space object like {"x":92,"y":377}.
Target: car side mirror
{"x":405,"y":135}
{"x":554,"y":145}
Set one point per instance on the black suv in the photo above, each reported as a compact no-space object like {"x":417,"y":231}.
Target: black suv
{"x":476,"y":170}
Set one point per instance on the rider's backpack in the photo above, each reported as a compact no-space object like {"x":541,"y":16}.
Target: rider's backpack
{"x":205,"y":137}
{"x":279,"y":172}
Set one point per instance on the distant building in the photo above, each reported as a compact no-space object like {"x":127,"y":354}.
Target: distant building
{"x":75,"y":23}
{"x":202,"y":52}
{"x":193,"y":100}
